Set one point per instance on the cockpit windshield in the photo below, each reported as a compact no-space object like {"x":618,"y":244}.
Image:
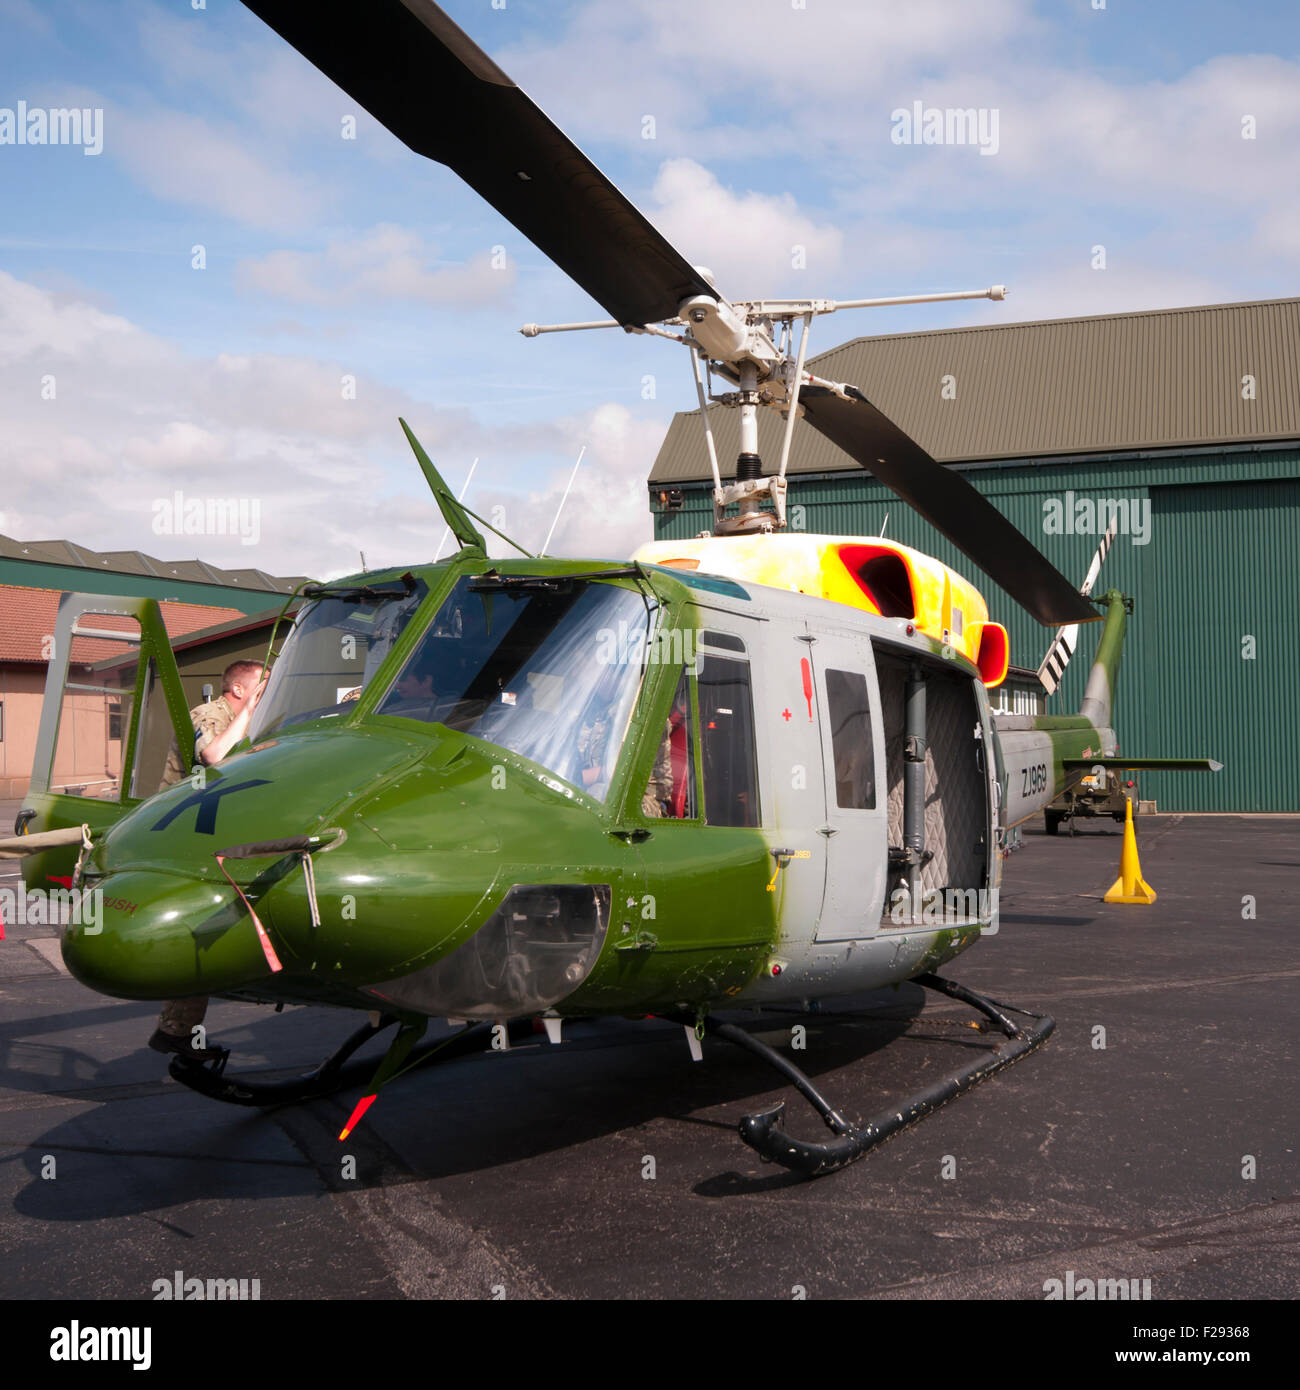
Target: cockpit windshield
{"x":335,"y":647}
{"x":550,"y":673}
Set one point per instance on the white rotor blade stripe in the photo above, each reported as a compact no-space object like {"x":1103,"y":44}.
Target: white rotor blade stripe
{"x":1058,"y":658}
{"x":1062,"y":649}
{"x":1094,"y":569}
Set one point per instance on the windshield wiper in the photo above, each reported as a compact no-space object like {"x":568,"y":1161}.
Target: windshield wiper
{"x":393,"y":588}
{"x":544,"y":583}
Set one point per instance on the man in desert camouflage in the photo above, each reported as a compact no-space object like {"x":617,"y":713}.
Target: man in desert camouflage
{"x":218,"y":726}
{"x":659,"y":798}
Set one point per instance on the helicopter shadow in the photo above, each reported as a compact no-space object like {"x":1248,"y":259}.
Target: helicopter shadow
{"x":636,"y":1083}
{"x":28,"y":1062}
{"x":608,"y":1084}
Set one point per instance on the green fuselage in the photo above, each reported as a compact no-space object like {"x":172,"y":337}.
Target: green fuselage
{"x":487,"y":846}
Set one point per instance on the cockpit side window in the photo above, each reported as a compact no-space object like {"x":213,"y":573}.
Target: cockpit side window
{"x":336,"y":645}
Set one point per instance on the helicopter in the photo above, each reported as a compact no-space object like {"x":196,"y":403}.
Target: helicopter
{"x":754,"y":769}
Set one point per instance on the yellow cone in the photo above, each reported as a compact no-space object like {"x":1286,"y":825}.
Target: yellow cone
{"x":1130,"y":886}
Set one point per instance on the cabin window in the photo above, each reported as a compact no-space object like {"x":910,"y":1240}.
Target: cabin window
{"x":727,"y":742}
{"x":849,"y":706}
{"x":670,"y":793}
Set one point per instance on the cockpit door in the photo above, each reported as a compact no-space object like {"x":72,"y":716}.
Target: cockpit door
{"x":113,"y":706}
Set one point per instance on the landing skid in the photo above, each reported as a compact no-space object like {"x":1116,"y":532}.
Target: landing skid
{"x":764,"y":1132}
{"x":326,"y":1079}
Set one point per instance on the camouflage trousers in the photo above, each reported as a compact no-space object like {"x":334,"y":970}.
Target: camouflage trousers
{"x":180,"y":1016}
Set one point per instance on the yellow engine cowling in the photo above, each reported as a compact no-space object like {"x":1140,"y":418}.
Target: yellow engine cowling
{"x":869,"y":573}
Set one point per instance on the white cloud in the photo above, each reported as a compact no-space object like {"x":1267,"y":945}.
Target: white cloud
{"x":243,"y":65}
{"x":37,"y":323}
{"x":1100,"y":146}
{"x":1278,"y":230}
{"x":199,"y":164}
{"x":385,"y":263}
{"x":1137,"y":138}
{"x":607,"y":514}
{"x":800,"y":76}
{"x":749,"y":240}
{"x":134,"y":418}
{"x":805,"y":95}
{"x":1125,"y":286}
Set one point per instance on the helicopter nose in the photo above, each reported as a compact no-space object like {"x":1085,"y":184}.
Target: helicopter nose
{"x":147,"y":935}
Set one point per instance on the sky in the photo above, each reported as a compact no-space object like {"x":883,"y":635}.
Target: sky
{"x":238,"y":295}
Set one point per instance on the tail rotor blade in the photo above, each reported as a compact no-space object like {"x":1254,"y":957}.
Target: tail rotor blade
{"x":948,"y":502}
{"x":1098,"y":559}
{"x":1062,"y":649}
{"x":1058,"y":658}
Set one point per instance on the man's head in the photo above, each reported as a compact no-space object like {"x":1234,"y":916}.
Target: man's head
{"x":238,"y":682}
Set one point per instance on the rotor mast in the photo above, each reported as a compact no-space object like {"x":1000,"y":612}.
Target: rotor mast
{"x":739,"y":341}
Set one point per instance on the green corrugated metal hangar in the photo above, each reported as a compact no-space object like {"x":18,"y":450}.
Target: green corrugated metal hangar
{"x":1190,"y":417}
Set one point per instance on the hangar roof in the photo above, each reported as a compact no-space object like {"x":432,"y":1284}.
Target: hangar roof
{"x":60,"y":552}
{"x":1158,"y":379}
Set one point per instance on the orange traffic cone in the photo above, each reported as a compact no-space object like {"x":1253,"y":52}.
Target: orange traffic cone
{"x":1130,"y":886}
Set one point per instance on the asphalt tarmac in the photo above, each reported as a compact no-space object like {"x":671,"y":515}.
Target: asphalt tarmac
{"x":609,"y":1166}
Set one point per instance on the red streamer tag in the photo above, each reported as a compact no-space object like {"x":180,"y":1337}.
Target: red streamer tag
{"x":265,"y":941}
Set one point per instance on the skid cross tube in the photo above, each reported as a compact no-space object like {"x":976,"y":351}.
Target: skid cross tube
{"x":764,"y":1132}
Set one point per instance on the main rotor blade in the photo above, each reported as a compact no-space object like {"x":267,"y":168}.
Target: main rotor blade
{"x":949,"y":503}
{"x":436,"y":90}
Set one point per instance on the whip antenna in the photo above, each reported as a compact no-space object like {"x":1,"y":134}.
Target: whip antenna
{"x":563,"y":500}
{"x":447,"y":529}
